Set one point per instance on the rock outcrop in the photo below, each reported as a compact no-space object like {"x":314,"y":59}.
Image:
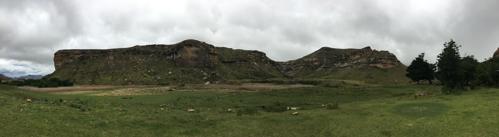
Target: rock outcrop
{"x":359,"y":64}
{"x":193,"y":61}
{"x":189,"y":61}
{"x":331,"y":58}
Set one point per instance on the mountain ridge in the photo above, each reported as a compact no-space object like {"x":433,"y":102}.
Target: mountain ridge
{"x":193,"y":61}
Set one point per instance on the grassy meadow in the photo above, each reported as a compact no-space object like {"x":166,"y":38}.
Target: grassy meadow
{"x":321,"y":111}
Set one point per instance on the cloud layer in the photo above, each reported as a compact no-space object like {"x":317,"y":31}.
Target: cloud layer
{"x":32,"y":30}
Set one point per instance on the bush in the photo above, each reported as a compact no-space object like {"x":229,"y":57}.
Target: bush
{"x":420,"y":69}
{"x":276,"y":107}
{"x":81,"y":105}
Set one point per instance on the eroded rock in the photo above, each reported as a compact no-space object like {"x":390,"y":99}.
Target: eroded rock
{"x":334,"y":59}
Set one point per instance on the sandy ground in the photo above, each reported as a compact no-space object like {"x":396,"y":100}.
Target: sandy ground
{"x":107,"y":90}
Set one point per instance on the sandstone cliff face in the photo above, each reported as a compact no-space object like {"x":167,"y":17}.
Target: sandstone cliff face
{"x":189,"y":53}
{"x":193,"y":61}
{"x":189,"y":61}
{"x":363,"y":64}
{"x":330,"y":58}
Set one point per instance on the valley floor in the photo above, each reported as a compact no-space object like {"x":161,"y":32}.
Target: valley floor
{"x":225,"y":110}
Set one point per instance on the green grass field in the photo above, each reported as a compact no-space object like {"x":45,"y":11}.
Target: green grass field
{"x":363,"y":111}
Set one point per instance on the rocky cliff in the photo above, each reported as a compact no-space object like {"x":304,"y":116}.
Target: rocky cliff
{"x":359,"y":64}
{"x":189,"y":61}
{"x":193,"y":61}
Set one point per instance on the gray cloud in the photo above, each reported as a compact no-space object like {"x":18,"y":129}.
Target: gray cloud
{"x":32,"y":30}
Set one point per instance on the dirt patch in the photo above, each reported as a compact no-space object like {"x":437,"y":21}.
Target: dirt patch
{"x":83,"y":89}
{"x":157,"y":90}
{"x":424,"y":109}
{"x":247,"y":87}
{"x":69,"y":89}
{"x":135,"y":91}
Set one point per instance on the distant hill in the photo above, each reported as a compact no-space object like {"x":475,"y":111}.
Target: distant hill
{"x":3,"y":77}
{"x":28,"y":77}
{"x":193,"y":61}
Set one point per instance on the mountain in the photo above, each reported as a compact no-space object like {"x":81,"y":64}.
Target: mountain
{"x":3,"y":77}
{"x":193,"y":61}
{"x":354,"y":64}
{"x":496,"y":54}
{"x":189,"y":61}
{"x":27,"y":77}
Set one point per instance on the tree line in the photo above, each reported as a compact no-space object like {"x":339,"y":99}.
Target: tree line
{"x":454,"y":72}
{"x":41,"y":83}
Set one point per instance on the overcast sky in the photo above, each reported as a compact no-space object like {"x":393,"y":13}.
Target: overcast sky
{"x":32,"y":30}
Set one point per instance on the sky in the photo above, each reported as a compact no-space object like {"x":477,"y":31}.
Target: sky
{"x":31,"y":31}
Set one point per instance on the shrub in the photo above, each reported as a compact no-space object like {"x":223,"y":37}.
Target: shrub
{"x":420,"y":69}
{"x":79,"y":104}
{"x":276,"y":107}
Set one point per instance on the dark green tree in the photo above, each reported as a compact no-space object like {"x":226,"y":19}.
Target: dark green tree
{"x":487,"y":73}
{"x":468,"y":68}
{"x":495,"y":72}
{"x":448,"y":67}
{"x":420,"y":69}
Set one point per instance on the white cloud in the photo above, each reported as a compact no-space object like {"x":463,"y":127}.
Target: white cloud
{"x":14,"y":68}
{"x":284,"y":29}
